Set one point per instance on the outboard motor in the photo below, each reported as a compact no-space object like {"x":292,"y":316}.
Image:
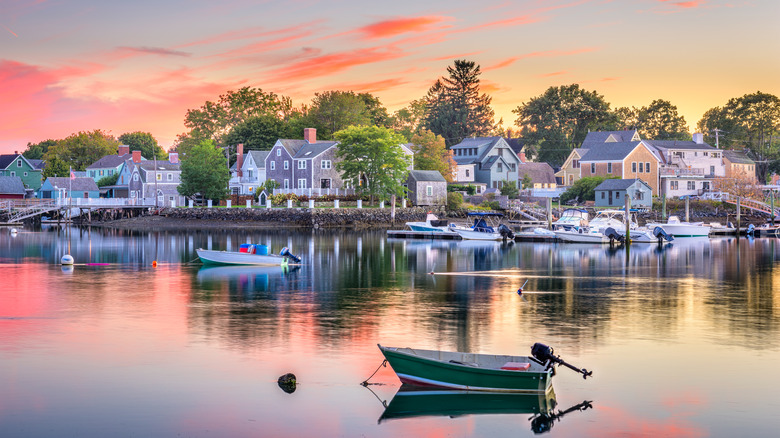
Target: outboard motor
{"x":660,"y":234}
{"x":751,"y":230}
{"x":286,"y":253}
{"x":545,"y":355}
{"x":505,"y":232}
{"x":614,"y":235}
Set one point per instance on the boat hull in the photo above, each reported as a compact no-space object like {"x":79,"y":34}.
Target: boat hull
{"x":414,"y":369}
{"x":211,"y":257}
{"x":469,"y":234}
{"x":683,"y":230}
{"x":576,"y":237}
{"x":423,"y":226}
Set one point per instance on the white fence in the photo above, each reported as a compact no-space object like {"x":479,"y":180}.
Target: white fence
{"x":107,"y":202}
{"x":310,"y":192}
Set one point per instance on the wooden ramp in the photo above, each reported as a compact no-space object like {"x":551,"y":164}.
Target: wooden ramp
{"x":752,"y":204}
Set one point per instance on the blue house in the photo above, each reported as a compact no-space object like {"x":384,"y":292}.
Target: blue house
{"x":612,"y":192}
{"x":80,"y":187}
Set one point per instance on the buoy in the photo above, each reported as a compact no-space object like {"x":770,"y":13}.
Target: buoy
{"x":14,"y":230}
{"x":67,"y":259}
{"x":154,"y":264}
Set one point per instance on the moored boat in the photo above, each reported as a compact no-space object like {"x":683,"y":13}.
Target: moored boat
{"x":482,"y":229}
{"x":676,"y":228}
{"x":476,"y":372}
{"x":432,"y":223}
{"x":604,"y":228}
{"x":253,"y":256}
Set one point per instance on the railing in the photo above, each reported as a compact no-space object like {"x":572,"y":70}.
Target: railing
{"x":316,"y":192}
{"x":680,"y":172}
{"x":750,"y":203}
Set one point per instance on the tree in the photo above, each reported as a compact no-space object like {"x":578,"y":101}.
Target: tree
{"x":109,"y":180}
{"x":752,"y":122}
{"x":455,"y":109}
{"x":509,"y":188}
{"x":144,"y":142}
{"x":55,"y":167}
{"x":377,"y":113}
{"x":408,"y":121}
{"x":741,"y":184}
{"x":82,"y":149}
{"x":430,"y":153}
{"x":333,"y":111}
{"x":658,"y":121}
{"x":583,"y":189}
{"x":204,"y":170}
{"x":528,"y":182}
{"x":259,"y":133}
{"x":558,"y":120}
{"x":214,"y":120}
{"x":371,"y":158}
{"x":36,"y":151}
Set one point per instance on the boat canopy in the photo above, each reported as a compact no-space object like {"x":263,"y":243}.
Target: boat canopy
{"x":484,"y":214}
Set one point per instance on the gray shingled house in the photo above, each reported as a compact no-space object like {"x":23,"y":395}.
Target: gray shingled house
{"x":11,"y":187}
{"x":426,"y":187}
{"x":612,"y":192}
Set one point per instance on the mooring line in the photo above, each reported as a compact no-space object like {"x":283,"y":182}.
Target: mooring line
{"x":365,"y":382}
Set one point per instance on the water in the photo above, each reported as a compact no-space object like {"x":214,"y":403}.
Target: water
{"x":683,"y":340}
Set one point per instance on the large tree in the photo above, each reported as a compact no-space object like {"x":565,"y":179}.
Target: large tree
{"x":260,"y":132}
{"x":455,"y":109}
{"x":144,"y":142}
{"x":751,"y":122}
{"x":372,"y":160}
{"x":657,"y":121}
{"x":55,"y":167}
{"x":431,"y":153}
{"x":558,"y":120}
{"x":80,"y":150}
{"x":214,"y":120}
{"x":204,"y":170}
{"x":408,"y":121}
{"x":36,"y":151}
{"x":333,"y":111}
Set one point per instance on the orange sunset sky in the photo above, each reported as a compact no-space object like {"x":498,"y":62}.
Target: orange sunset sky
{"x":79,"y":65}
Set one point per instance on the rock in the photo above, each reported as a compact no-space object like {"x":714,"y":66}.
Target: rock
{"x":288,"y":383}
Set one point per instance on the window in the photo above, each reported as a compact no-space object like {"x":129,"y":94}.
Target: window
{"x":135,"y":177}
{"x":101,"y":173}
{"x":159,"y":176}
{"x":641,"y":168}
{"x":25,"y":173}
{"x":609,"y":167}
{"x":273,"y":165}
{"x":712,"y":170}
{"x":302,"y":183}
{"x":278,"y":152}
{"x":110,"y":172}
{"x":286,"y":183}
{"x":286,"y":164}
{"x":500,"y":167}
{"x":575,"y":164}
{"x":429,"y":190}
{"x":325,"y":164}
{"x":512,"y":167}
{"x":467,"y":173}
{"x":170,"y":177}
{"x":691,"y":185}
{"x":13,"y":173}
{"x":602,"y":194}
{"x":19,"y":163}
{"x":301,"y":164}
{"x":325,"y":183}
{"x":673,"y":185}
{"x":593,"y":168}
{"x":633,"y":167}
{"x":92,"y":173}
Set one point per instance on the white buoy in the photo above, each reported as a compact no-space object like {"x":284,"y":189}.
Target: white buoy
{"x":67,"y":259}
{"x":14,"y":231}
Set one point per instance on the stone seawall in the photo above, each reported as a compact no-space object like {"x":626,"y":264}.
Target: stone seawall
{"x":302,"y":217}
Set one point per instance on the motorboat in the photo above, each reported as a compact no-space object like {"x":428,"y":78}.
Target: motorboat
{"x":676,"y":228}
{"x":571,"y":218}
{"x":248,"y":254}
{"x":603,"y":228}
{"x":482,"y":229}
{"x":477,"y":372}
{"x":648,"y":235}
{"x":432,"y":223}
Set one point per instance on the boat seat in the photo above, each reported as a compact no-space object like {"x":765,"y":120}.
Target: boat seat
{"x":469,"y":364}
{"x":516,"y":366}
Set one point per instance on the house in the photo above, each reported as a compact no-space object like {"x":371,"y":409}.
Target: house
{"x":688,"y":167}
{"x":17,"y":165}
{"x":304,"y":164}
{"x":491,"y":160}
{"x":64,"y":187}
{"x":120,"y":188}
{"x":612,"y":192}
{"x":157,"y":179}
{"x":109,"y":165}
{"x":540,"y":174}
{"x":11,"y":187}
{"x":426,"y":187}
{"x":737,"y":164}
{"x":570,"y":171}
{"x":625,"y":160}
{"x":248,"y":172}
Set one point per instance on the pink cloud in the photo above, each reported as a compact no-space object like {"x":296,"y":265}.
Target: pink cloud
{"x":254,"y":33}
{"x":398,"y":26}
{"x":371,"y":87}
{"x":555,"y":73}
{"x":546,"y":54}
{"x":459,"y":56}
{"x":684,"y":4}
{"x":327,"y":65}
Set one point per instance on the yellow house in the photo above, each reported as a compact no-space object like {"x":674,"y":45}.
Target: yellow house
{"x":738,"y":164}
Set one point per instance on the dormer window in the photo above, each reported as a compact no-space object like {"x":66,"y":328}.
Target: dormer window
{"x":278,"y":152}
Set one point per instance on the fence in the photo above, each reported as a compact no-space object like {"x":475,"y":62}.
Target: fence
{"x":311,"y":192}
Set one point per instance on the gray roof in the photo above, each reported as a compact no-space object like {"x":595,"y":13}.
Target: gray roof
{"x":109,"y":161}
{"x":619,"y":184}
{"x":310,"y":150}
{"x":11,"y":185}
{"x":259,"y":157}
{"x":738,"y":157}
{"x":85,"y":184}
{"x":159,"y":165}
{"x":610,"y":151}
{"x":599,"y":137}
{"x":540,"y":173}
{"x":292,"y":146}
{"x":426,"y":175}
{"x":679,"y":144}
{"x":37,"y":164}
{"x":7,"y":159}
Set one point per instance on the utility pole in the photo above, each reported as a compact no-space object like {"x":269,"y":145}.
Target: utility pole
{"x":717,"y":136}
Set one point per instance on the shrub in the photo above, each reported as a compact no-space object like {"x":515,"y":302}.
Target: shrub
{"x":454,"y":201}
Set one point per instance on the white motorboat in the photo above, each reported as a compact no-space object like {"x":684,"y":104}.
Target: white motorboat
{"x":674,"y":227}
{"x":602,"y":229}
{"x":571,"y":218}
{"x":432,"y":223}
{"x":249,"y":255}
{"x":482,"y":230}
{"x":648,"y":235}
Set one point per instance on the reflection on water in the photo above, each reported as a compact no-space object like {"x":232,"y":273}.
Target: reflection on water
{"x":181,"y":349}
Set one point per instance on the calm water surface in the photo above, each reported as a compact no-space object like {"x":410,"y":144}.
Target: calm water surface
{"x":683,"y":340}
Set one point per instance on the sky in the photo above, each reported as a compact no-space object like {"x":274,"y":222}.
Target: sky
{"x":79,"y":65}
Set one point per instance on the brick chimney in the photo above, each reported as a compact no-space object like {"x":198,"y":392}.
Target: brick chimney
{"x":310,"y":135}
{"x":173,"y":157}
{"x":136,"y":157}
{"x":123,"y":149}
{"x":239,"y":159}
{"x":521,"y":156}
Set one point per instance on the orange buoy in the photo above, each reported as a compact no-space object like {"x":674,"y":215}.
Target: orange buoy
{"x":154,"y":264}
